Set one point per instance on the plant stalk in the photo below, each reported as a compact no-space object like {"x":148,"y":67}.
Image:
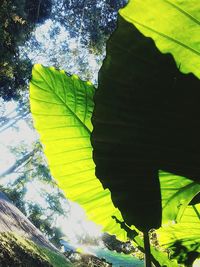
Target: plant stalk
{"x":147,"y":250}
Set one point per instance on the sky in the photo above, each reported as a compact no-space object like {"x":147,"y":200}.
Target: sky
{"x":13,"y":136}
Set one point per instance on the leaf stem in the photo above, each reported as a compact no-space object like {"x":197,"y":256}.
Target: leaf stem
{"x":147,"y":250}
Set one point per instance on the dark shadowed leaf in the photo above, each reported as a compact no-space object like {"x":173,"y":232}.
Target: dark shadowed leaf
{"x":146,"y":118}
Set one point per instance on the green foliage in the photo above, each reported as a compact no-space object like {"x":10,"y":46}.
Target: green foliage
{"x":91,"y":21}
{"x":173,"y":25}
{"x":45,"y":223}
{"x":13,"y":32}
{"x":17,"y":20}
{"x":16,"y":196}
{"x":38,"y":10}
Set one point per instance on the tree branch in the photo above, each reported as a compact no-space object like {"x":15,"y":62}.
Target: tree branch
{"x":18,"y":163}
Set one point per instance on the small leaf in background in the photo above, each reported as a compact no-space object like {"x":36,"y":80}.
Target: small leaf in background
{"x":177,"y":192}
{"x":183,"y":238}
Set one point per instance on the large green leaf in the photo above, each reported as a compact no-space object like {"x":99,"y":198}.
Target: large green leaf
{"x":61,"y":106}
{"x":174,"y":25}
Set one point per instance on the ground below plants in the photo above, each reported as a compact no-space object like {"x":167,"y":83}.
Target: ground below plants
{"x":21,"y":243}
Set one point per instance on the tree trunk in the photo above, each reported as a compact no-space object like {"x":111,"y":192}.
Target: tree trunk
{"x":12,"y":121}
{"x":18,"y":163}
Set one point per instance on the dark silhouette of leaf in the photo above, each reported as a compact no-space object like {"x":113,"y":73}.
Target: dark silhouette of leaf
{"x":146,"y":118}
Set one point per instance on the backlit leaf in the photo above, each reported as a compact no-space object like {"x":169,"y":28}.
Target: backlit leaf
{"x":177,"y":192}
{"x":174,"y":25}
{"x":62,"y":106}
{"x":185,"y":235}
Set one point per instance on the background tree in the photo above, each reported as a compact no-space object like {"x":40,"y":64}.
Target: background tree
{"x":17,"y":20}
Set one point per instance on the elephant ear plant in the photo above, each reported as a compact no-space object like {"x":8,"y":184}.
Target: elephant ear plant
{"x":144,"y":131}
